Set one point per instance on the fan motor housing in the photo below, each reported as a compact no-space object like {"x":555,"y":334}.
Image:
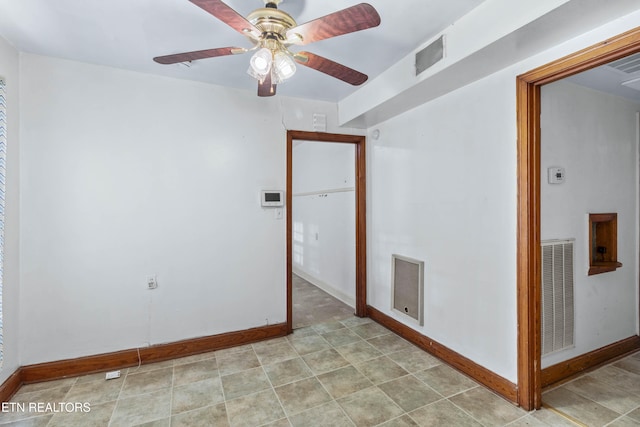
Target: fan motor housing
{"x":272,"y":21}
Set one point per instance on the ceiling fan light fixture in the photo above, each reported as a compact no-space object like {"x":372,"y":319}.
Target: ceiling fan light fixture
{"x":261,"y":62}
{"x":283,"y":65}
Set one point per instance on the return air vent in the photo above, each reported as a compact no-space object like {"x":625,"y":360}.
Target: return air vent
{"x":407,"y":289}
{"x":430,"y":55}
{"x":557,"y":296}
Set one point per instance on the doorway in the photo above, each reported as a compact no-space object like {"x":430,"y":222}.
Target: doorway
{"x":360,"y":215}
{"x":529,"y":85}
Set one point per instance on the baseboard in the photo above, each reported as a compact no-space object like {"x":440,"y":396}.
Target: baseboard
{"x":588,"y":361}
{"x":350,"y":301}
{"x":11,"y":385}
{"x":157,"y":353}
{"x":490,"y":379}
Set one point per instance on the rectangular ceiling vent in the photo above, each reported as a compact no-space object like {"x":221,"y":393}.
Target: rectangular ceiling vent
{"x":430,"y":55}
{"x":628,"y":65}
{"x":557,"y":296}
{"x":407,"y":289}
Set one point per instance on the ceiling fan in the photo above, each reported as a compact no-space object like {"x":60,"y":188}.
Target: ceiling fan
{"x":273,"y":31}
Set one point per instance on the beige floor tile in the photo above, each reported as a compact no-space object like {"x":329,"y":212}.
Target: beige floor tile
{"x":329,"y":414}
{"x":279,"y":423}
{"x":381,"y":370}
{"x":229,"y":363}
{"x":101,"y":376}
{"x":528,"y":420}
{"x":196,"y":395}
{"x":30,"y":422}
{"x":19,"y":408}
{"x":245,"y":382}
{"x":635,"y":414}
{"x":630,"y":364}
{"x":370,"y":330}
{"x":619,"y":378}
{"x":141,"y":409}
{"x":403,"y":421}
{"x":323,"y":328}
{"x":409,"y":393}
{"x":98,"y":416}
{"x":311,"y":305}
{"x":48,"y":385}
{"x":390,"y":343}
{"x":96,"y":391}
{"x":369,"y":407}
{"x":232,"y":350}
{"x":341,"y":337}
{"x":145,"y":382}
{"x":165,"y":422}
{"x":302,"y":332}
{"x":486,"y":407}
{"x":255,"y":409}
{"x":150,"y":367}
{"x":287,"y":372}
{"x":604,"y":394}
{"x":445,"y":380}
{"x":358,"y":352}
{"x":414,"y":360}
{"x":551,"y":418}
{"x":443,"y":413}
{"x":324,"y":361}
{"x":624,"y":422}
{"x":344,"y":381}
{"x":215,"y":415}
{"x":353,"y":321}
{"x":275,"y":353}
{"x":195,"y":371}
{"x":302,"y":395}
{"x":195,"y":358}
{"x":309,"y":344}
{"x":578,"y":407}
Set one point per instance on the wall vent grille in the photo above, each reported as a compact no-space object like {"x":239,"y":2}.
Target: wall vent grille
{"x":407,"y":289}
{"x":430,"y":55}
{"x":557,"y":296}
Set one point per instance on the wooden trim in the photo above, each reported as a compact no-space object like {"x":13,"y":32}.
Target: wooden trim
{"x":528,"y":235}
{"x":490,"y":379}
{"x":157,"y":353}
{"x":585,"y":362}
{"x":11,"y":385}
{"x":361,"y":212}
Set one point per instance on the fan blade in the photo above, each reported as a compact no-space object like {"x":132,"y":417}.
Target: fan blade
{"x":265,"y":88}
{"x":349,"y":20}
{"x":330,"y":68}
{"x":229,"y":16}
{"x":198,"y":54}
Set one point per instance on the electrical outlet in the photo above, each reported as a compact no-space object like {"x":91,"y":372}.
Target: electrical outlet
{"x":112,"y":375}
{"x":152,"y":282}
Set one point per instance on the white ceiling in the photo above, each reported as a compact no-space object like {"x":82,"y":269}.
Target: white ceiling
{"x":620,"y":78}
{"x":129,"y":33}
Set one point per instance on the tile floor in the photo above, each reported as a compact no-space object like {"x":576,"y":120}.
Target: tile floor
{"x":312,"y":305}
{"x":351,"y":372}
{"x":609,"y":396}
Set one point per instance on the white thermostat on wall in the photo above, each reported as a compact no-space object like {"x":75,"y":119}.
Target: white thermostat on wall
{"x":272,"y":198}
{"x":556,"y":175}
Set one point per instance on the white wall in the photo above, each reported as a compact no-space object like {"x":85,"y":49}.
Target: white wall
{"x":593,"y":136}
{"x":442,"y":189}
{"x":9,"y":70}
{"x":127,"y":175}
{"x":324,"y":216}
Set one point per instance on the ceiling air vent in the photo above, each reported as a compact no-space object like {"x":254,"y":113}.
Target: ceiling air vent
{"x":430,"y":55}
{"x":629,"y":64}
